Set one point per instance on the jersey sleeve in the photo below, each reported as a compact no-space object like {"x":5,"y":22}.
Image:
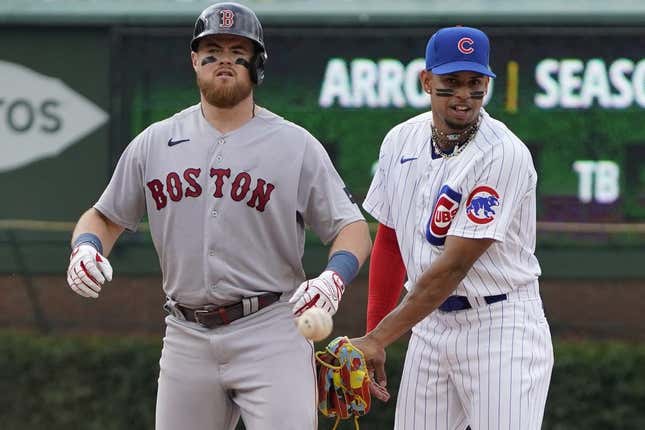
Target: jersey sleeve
{"x":324,"y":202}
{"x":386,"y":276}
{"x":123,"y":201}
{"x":376,"y":202}
{"x":493,"y":191}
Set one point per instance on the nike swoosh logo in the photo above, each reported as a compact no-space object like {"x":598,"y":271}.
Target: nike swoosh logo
{"x":405,"y":160}
{"x":176,"y":142}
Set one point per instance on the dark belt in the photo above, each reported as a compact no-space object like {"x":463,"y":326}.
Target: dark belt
{"x":459,"y":303}
{"x":211,"y":316}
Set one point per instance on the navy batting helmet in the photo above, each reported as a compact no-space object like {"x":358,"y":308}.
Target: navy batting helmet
{"x":233,"y":18}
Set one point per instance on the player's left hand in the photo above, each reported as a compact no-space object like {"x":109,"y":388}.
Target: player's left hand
{"x":324,"y":292}
{"x":374,"y":354}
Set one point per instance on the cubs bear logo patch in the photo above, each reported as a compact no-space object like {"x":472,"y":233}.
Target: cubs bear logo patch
{"x":481,"y":203}
{"x":445,"y":209}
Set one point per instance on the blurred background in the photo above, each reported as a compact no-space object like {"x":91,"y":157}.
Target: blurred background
{"x":79,"y":79}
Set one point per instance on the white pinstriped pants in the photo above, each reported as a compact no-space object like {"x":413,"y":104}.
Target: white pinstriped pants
{"x":488,"y":367}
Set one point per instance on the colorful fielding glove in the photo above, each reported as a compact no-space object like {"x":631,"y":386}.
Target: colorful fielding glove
{"x":343,"y":381}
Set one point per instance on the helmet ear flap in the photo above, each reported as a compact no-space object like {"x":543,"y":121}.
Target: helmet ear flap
{"x":200,"y":27}
{"x":257,"y":67}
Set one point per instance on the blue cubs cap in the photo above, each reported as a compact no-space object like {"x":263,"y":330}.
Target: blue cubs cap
{"x":458,"y":49}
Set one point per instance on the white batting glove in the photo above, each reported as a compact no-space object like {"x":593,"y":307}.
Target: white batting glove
{"x":88,"y":270}
{"x":324,"y":292}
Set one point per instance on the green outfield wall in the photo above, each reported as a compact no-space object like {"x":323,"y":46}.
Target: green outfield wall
{"x":574,"y":94}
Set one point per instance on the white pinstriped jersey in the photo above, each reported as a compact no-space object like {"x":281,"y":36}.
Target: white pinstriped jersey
{"x":486,"y":191}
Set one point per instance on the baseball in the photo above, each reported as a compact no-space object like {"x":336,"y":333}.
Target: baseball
{"x":315,"y":324}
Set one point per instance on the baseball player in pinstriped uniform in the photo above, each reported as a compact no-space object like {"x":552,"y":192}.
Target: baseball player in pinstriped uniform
{"x":454,"y":194}
{"x":228,"y":188}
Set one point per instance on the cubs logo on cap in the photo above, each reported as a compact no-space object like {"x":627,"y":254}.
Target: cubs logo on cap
{"x":445,"y":209}
{"x":481,"y":203}
{"x":465,"y":45}
{"x":458,"y":49}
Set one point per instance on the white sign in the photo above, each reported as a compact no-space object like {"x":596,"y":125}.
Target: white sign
{"x":40,"y":116}
{"x":387,"y":82}
{"x":598,"y":181}
{"x":574,"y":84}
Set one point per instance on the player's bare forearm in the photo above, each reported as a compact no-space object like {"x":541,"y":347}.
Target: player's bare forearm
{"x":348,"y":252}
{"x":93,"y":221}
{"x":432,"y":288}
{"x":355,"y":238}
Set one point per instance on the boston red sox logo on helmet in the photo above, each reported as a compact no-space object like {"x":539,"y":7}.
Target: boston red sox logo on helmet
{"x":480,"y":203}
{"x":465,"y":45}
{"x":227,"y":18}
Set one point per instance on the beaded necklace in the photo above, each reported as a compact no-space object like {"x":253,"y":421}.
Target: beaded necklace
{"x":467,"y":136}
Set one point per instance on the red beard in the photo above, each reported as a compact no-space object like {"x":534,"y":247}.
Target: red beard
{"x":223,"y":95}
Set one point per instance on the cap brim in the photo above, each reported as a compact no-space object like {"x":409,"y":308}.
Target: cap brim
{"x":462,"y":66}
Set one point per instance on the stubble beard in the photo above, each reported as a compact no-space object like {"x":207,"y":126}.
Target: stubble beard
{"x":223,"y":95}
{"x":456,"y":126}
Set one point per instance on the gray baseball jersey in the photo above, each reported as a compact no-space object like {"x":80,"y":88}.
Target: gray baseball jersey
{"x":227,"y":214}
{"x":227,"y":211}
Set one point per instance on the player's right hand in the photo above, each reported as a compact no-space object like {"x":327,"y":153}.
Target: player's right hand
{"x":88,"y":270}
{"x":374,"y":354}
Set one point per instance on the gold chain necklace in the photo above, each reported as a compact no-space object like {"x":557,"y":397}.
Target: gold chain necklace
{"x":469,"y":135}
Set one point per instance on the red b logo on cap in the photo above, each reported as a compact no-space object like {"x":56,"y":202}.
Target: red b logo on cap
{"x":227,"y":17}
{"x":465,"y":45}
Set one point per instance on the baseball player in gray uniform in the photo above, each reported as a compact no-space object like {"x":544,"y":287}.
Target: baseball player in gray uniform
{"x":228,"y":188}
{"x":454,"y":194}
